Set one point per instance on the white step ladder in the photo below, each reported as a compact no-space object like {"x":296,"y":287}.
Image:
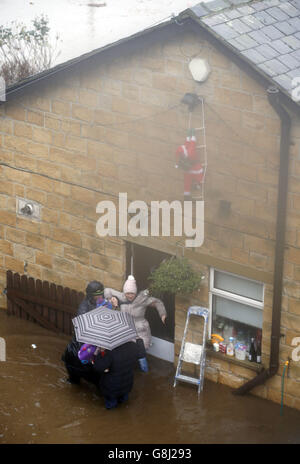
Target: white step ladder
{"x":191,"y":352}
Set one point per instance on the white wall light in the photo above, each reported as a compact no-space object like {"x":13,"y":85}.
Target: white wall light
{"x":199,"y":69}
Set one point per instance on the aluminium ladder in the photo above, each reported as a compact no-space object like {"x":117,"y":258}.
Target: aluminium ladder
{"x":191,"y":352}
{"x":203,"y":147}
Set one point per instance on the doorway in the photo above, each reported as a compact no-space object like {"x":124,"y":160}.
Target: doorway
{"x":141,"y":261}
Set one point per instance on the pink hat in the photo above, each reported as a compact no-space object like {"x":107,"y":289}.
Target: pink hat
{"x":130,"y":285}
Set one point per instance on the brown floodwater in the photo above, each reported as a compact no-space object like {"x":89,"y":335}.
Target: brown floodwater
{"x":38,"y":406}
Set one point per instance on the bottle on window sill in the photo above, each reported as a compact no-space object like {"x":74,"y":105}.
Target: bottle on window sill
{"x":252,"y":352}
{"x":230,"y":347}
{"x":258,"y":352}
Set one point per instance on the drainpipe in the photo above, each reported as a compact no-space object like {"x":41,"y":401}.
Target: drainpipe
{"x":274,"y":99}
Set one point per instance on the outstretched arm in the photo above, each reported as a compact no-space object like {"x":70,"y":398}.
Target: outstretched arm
{"x":160,"y":307}
{"x":110,"y":292}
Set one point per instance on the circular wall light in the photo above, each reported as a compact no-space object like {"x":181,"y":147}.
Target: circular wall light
{"x":199,"y":69}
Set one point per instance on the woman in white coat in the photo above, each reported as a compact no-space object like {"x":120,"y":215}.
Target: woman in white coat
{"x":135,"y":303}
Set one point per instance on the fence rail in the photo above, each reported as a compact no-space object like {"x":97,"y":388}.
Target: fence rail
{"x":45,"y":303}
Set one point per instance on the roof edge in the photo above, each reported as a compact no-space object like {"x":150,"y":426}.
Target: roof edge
{"x":257,"y":73}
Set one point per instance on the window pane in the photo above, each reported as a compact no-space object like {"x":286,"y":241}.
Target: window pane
{"x":238,"y":286}
{"x":237,"y":311}
{"x":240,"y":332}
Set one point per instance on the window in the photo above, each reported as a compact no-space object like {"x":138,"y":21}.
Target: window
{"x":237,"y":306}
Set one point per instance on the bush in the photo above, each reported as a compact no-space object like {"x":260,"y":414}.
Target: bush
{"x":174,"y":275}
{"x":25,"y":51}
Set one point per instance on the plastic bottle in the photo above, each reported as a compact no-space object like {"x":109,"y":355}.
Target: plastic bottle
{"x":230,"y":347}
{"x":240,"y":351}
{"x":227,"y":332}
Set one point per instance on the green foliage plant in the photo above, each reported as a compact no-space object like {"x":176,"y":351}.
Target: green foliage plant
{"x":174,"y":276}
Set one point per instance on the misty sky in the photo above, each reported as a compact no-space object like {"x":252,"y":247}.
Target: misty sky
{"x":83,"y":28}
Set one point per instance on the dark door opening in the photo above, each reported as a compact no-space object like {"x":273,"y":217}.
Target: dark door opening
{"x":144,"y":260}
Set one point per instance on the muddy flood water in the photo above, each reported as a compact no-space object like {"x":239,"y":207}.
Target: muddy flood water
{"x":38,"y":406}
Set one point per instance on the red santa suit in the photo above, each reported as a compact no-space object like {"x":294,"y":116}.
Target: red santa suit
{"x":187,"y":159}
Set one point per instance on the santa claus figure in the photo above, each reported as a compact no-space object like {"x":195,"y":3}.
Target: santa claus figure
{"x":188,"y":160}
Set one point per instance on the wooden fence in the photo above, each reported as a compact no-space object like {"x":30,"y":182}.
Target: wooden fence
{"x":52,"y":306}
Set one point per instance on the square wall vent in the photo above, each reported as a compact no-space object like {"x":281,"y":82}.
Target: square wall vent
{"x":28,"y":208}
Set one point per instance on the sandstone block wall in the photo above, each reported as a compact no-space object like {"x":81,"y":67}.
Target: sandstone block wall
{"x":112,"y":124}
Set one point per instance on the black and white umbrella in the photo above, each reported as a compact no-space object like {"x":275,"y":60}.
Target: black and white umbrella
{"x":104,"y":327}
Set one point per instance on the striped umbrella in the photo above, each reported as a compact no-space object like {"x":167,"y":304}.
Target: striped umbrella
{"x":104,"y":327}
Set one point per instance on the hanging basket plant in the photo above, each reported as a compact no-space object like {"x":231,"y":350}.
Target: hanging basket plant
{"x":173,"y":276}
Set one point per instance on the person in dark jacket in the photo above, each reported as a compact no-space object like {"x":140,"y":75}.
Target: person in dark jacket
{"x":74,"y":366}
{"x":116,"y":383}
{"x":93,"y":291}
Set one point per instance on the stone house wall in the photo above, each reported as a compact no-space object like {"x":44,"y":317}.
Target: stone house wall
{"x":112,"y":124}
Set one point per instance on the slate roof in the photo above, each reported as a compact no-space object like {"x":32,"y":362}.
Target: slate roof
{"x":264,"y":32}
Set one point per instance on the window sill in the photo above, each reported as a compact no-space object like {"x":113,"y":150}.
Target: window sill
{"x":246,"y":364}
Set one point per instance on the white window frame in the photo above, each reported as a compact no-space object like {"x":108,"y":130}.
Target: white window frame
{"x":231,"y":296}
